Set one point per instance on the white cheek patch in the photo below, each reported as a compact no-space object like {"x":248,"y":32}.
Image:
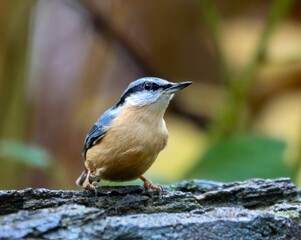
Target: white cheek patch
{"x":142,"y":98}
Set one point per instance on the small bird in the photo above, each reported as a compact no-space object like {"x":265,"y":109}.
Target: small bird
{"x":126,"y":140}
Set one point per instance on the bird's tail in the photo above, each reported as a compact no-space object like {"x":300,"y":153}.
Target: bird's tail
{"x":81,"y":179}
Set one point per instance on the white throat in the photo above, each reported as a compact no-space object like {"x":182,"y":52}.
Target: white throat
{"x":155,"y":104}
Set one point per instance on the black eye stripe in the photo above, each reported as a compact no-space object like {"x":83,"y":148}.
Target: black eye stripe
{"x":155,"y":86}
{"x":130,"y":91}
{"x":167,"y":86}
{"x":146,"y":86}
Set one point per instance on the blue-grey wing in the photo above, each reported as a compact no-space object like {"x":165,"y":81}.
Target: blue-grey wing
{"x":98,"y":130}
{"x":95,"y":134}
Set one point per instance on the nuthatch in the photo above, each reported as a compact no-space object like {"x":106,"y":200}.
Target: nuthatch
{"x":127,"y":138}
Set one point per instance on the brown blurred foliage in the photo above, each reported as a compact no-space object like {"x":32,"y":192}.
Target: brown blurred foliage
{"x":63,"y":62}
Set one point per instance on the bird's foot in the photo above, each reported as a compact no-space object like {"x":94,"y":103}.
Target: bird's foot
{"x":149,"y":186}
{"x":90,"y":182}
{"x":92,"y":187}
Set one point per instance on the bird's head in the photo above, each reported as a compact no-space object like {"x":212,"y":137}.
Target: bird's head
{"x":150,"y":91}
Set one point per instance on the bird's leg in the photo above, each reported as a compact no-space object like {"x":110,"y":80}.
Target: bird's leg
{"x":88,"y":185}
{"x":148,"y":185}
{"x":94,"y":179}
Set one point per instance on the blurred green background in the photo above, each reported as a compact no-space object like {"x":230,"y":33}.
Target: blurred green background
{"x":64,"y":62}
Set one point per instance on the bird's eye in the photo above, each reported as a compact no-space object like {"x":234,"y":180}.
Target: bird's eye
{"x":148,"y":86}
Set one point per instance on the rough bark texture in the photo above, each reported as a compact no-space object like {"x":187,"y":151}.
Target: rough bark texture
{"x":253,"y":209}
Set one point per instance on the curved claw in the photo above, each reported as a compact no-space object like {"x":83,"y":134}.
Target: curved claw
{"x":148,"y":185}
{"x":91,"y":187}
{"x":88,"y":185}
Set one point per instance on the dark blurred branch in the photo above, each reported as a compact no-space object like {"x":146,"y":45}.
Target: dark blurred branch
{"x":105,"y":29}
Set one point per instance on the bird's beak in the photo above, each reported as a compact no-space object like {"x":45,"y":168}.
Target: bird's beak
{"x":177,"y":87}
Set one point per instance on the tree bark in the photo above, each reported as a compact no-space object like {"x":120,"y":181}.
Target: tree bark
{"x":253,"y":209}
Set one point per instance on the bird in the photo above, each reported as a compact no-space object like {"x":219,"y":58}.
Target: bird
{"x":126,"y":140}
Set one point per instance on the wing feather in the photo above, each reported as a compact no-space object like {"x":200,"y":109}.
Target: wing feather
{"x":93,"y":137}
{"x":98,"y":130}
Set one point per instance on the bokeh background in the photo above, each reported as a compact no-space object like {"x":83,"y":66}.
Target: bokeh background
{"x":64,"y":62}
